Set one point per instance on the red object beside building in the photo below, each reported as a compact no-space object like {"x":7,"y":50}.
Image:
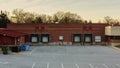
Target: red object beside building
{"x":10,"y":37}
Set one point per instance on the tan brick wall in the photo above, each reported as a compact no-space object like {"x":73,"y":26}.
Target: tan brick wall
{"x":114,"y":44}
{"x":112,"y":30}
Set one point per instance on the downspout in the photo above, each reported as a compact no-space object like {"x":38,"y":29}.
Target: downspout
{"x":15,"y":41}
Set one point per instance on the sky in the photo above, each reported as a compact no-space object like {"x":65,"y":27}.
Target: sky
{"x":94,"y":10}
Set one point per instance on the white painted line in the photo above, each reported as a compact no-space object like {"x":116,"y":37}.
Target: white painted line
{"x":118,"y":65}
{"x":48,"y":64}
{"x":105,"y":65}
{"x":62,"y":65}
{"x":77,"y":65}
{"x":91,"y":66}
{"x":33,"y":65}
{"x":32,"y":51}
{"x":5,"y":63}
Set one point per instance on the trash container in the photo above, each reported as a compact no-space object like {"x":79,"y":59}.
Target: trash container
{"x":5,"y":50}
{"x":25,"y":47}
{"x":22,"y":47}
{"x":15,"y":49}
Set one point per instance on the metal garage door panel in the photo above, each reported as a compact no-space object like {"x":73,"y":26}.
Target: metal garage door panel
{"x":77,"y":38}
{"x":34,"y":39}
{"x":97,"y":38}
{"x":88,"y":39}
{"x":45,"y":39}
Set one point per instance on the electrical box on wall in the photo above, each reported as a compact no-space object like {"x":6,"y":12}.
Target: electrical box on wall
{"x":61,"y":38}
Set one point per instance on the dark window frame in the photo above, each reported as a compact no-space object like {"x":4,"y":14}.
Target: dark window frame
{"x":73,"y":38}
{"x":88,"y":35}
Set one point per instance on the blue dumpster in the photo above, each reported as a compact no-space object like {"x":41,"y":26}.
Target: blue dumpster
{"x":22,"y":47}
{"x":25,"y":47}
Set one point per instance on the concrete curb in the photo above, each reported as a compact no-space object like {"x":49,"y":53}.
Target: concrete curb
{"x":114,"y":47}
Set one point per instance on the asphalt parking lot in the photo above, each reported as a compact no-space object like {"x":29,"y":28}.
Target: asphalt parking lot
{"x":63,"y":57}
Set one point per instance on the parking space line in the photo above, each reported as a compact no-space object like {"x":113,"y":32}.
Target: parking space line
{"x":91,"y":66}
{"x":32,"y":51}
{"x":77,"y":65}
{"x":62,"y":65}
{"x":48,"y":64}
{"x":33,"y":65}
{"x":118,"y":65}
{"x":5,"y":63}
{"x":105,"y":65}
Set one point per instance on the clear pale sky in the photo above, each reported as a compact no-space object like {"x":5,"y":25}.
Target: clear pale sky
{"x":94,"y":10}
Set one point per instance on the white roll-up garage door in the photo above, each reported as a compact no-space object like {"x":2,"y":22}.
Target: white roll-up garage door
{"x":97,"y":38}
{"x":87,"y":39}
{"x":45,"y":39}
{"x":34,"y":39}
{"x":77,"y":39}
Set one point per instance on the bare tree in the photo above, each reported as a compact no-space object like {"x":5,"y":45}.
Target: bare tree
{"x":38,"y":20}
{"x":60,"y":17}
{"x":110,"y":20}
{"x":67,"y":17}
{"x":29,"y":17}
{"x":49,"y":19}
{"x":19,"y":15}
{"x":55,"y":19}
{"x":43,"y":17}
{"x":24,"y":17}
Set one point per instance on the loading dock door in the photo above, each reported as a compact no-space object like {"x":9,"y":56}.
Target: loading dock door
{"x":88,"y":38}
{"x":97,"y":38}
{"x":76,"y":38}
{"x":34,"y":38}
{"x":45,"y":38}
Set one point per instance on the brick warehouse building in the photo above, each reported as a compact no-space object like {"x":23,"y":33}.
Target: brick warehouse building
{"x":74,"y":33}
